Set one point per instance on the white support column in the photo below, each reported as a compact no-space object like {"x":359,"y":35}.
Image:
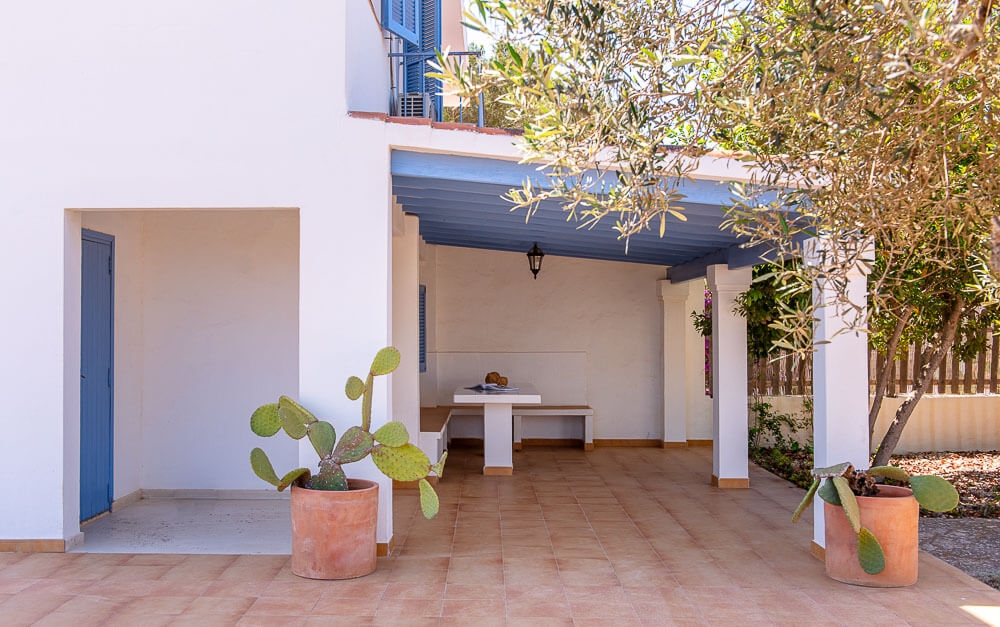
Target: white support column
{"x":675,"y":387}
{"x":840,"y":383}
{"x":405,"y":400}
{"x":730,"y":468}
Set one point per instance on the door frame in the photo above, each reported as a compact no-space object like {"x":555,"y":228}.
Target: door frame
{"x":104,"y":238}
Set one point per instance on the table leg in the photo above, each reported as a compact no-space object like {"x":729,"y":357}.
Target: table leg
{"x":497,"y":449}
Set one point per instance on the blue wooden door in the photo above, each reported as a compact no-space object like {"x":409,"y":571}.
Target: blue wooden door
{"x":96,"y":374}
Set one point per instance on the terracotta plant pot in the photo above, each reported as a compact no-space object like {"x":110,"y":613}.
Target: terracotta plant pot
{"x":893,"y":517}
{"x":333,"y":533}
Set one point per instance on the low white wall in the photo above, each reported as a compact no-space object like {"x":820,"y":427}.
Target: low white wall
{"x":601,"y":320}
{"x":945,"y":423}
{"x":939,"y":422}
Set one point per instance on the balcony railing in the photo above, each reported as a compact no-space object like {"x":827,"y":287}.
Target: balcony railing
{"x":415,"y":95}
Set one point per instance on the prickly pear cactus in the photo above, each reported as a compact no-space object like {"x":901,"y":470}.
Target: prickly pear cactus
{"x":389,"y":446}
{"x":840,"y":485}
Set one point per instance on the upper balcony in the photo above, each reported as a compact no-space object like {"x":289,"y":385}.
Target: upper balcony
{"x":419,"y":29}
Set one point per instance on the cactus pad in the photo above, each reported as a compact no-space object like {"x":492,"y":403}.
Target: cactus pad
{"x":392,"y":434}
{"x":831,"y":471}
{"x":870,"y":554}
{"x":354,"y":445}
{"x":323,"y":437}
{"x":429,"y":503}
{"x":849,"y":502}
{"x":402,"y":463}
{"x":265,"y":421}
{"x":828,"y":493}
{"x":889,"y":472}
{"x":294,"y":417}
{"x":355,"y":388}
{"x":292,"y":475}
{"x":262,"y":466}
{"x":934,"y":493}
{"x":386,"y":360}
{"x":806,"y":500}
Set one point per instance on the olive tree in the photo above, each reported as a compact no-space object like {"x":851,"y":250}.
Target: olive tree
{"x":872,"y":126}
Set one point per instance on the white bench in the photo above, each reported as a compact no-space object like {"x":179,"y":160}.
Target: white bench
{"x":434,"y":423}
{"x":434,"y":427}
{"x":582,"y":411}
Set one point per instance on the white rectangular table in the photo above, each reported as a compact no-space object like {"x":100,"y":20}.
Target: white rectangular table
{"x":498,"y":420}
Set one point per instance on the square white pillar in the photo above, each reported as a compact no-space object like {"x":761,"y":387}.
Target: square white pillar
{"x":675,"y":375}
{"x":730,"y":466}
{"x":840,"y":379}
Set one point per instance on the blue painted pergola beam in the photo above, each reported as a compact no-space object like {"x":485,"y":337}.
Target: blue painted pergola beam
{"x":459,"y":201}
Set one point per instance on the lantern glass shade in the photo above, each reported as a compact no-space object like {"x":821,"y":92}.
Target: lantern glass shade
{"x":535,"y":259}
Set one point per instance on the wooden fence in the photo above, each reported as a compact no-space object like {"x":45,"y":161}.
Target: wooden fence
{"x":979,"y":375}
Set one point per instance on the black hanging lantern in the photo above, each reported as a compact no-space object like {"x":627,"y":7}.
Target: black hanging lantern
{"x":535,"y":259}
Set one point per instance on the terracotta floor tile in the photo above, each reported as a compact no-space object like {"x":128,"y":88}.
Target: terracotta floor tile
{"x":481,"y":621}
{"x":37,"y":566}
{"x":271,"y":621}
{"x":472,"y":591}
{"x":586,"y":572}
{"x":220,"y":605}
{"x":220,"y":619}
{"x":535,"y":621}
{"x":537,"y":607}
{"x":283,"y":606}
{"x":312,"y":588}
{"x":409,"y":608}
{"x":614,"y":536}
{"x":147,"y":620}
{"x":401,"y":621}
{"x":235,"y":588}
{"x":413,"y":590}
{"x":473,"y":608}
{"x":345,"y":606}
{"x":155,"y":605}
{"x":159,"y":559}
{"x":336,"y":621}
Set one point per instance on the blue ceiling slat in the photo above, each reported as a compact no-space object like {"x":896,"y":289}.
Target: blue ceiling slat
{"x":460,"y":203}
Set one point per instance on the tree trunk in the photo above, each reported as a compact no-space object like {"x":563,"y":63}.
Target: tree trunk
{"x":882,"y":377}
{"x":995,"y":252}
{"x":932,"y":357}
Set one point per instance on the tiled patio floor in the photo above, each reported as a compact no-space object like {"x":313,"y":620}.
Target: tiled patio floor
{"x":615,"y":536}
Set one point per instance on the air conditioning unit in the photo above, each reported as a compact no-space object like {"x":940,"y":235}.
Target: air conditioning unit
{"x":416,"y":105}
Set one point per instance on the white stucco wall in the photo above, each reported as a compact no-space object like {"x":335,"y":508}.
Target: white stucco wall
{"x":191,"y":105}
{"x":367,"y":68}
{"x":220,"y":330}
{"x":487,"y":302}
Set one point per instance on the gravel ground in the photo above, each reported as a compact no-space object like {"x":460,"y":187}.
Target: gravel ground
{"x":969,"y":537}
{"x":976,"y":476}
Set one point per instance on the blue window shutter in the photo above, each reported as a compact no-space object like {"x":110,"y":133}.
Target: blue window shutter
{"x":402,"y":17}
{"x":429,"y":41}
{"x":423,"y":328}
